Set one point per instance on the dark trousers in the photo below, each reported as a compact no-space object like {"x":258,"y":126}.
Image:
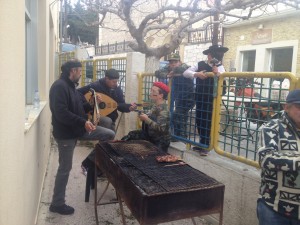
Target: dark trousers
{"x":204,"y":107}
{"x":179,"y":119}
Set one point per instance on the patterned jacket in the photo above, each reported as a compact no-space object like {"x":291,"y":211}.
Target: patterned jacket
{"x":279,"y":158}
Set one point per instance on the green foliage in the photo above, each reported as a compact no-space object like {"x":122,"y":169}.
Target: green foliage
{"x":79,"y":20}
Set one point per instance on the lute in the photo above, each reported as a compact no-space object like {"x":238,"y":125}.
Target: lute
{"x":108,"y":105}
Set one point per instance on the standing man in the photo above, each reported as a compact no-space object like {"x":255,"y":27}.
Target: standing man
{"x":108,"y":86}
{"x":279,"y":158}
{"x":70,"y":124}
{"x":182,"y":92}
{"x":204,"y":91}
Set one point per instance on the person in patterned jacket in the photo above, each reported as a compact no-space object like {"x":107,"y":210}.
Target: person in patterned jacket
{"x":156,"y":123}
{"x":279,"y":158}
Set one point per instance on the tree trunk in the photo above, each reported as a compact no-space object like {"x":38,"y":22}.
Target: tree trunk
{"x":152,"y":64}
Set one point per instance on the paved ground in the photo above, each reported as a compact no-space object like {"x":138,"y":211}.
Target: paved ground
{"x":84,"y":211}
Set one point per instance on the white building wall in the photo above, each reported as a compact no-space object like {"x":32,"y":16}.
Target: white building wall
{"x":24,"y":149}
{"x":12,"y":100}
{"x":193,"y":53}
{"x":135,"y":65}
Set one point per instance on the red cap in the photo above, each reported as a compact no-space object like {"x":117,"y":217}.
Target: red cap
{"x":162,"y":86}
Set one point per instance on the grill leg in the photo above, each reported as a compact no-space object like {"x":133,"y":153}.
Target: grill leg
{"x":95,"y":198}
{"x":90,"y":182}
{"x":193,"y":221}
{"x":221,"y":217}
{"x":121,"y":209}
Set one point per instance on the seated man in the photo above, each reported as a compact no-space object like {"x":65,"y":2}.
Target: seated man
{"x":155,"y":127}
{"x":279,"y":159}
{"x":107,"y":86}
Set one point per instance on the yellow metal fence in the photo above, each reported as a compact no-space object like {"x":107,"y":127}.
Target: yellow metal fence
{"x":240,"y":109}
{"x":94,"y":69}
{"x":252,"y":99}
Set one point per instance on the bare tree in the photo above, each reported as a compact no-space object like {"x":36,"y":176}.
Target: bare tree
{"x":176,"y":18}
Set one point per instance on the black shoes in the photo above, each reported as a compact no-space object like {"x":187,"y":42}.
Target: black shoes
{"x":63,"y":209}
{"x":201,"y":151}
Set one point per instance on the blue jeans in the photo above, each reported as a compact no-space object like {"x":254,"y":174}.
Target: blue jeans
{"x":66,"y":150}
{"x":268,"y":216}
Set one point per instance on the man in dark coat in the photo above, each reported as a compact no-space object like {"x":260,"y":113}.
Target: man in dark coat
{"x":70,"y":123}
{"x":182,"y":94}
{"x":204,"y":91}
{"x":108,"y":86}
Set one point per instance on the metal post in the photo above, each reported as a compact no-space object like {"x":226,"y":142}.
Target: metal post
{"x":60,"y":27}
{"x":215,"y":34}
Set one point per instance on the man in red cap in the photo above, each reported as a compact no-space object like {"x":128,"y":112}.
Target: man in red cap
{"x":156,"y":123}
{"x":204,"y":91}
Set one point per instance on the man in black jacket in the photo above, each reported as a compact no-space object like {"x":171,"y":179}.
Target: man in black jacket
{"x":70,"y":123}
{"x":108,"y":86}
{"x":204,"y":91}
{"x":182,"y":93}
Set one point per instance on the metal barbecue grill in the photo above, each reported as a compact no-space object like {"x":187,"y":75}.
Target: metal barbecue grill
{"x":157,"y":192}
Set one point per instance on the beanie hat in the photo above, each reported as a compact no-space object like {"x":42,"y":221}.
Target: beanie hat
{"x":112,"y":74}
{"x":162,"y":86}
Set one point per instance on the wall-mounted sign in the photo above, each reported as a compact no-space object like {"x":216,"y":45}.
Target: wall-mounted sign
{"x":262,"y":36}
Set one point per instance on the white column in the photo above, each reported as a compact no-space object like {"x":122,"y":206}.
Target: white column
{"x":135,"y":65}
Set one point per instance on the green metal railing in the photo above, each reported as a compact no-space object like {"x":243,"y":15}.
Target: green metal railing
{"x":237,"y":117}
{"x":252,"y":100}
{"x":93,"y":70}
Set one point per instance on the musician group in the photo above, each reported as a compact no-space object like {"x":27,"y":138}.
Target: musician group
{"x":76,"y":115}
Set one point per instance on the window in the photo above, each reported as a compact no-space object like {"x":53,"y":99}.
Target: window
{"x":281,"y":60}
{"x":248,"y":61}
{"x":31,"y":77}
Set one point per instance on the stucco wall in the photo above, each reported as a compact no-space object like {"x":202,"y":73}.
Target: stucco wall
{"x":36,"y":153}
{"x":241,"y":184}
{"x":193,"y":53}
{"x":12,"y":100}
{"x":24,"y":149}
{"x":285,"y":28}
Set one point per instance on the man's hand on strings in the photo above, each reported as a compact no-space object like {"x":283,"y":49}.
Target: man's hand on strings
{"x":99,"y":98}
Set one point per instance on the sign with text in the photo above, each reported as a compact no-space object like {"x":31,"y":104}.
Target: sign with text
{"x":262,"y":36}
